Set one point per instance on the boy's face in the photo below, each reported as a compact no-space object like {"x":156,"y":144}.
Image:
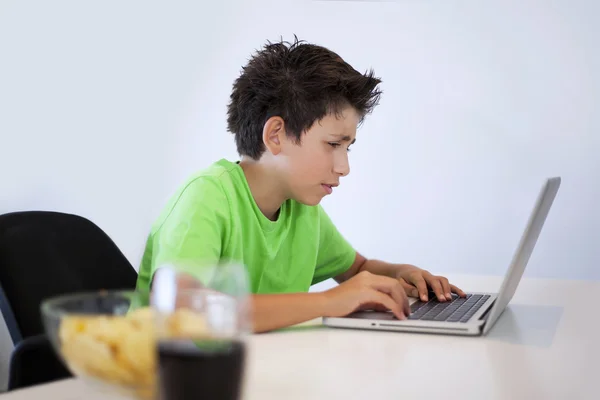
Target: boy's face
{"x":314,"y":167}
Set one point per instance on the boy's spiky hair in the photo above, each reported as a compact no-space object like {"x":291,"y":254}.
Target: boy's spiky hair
{"x":301,"y":83}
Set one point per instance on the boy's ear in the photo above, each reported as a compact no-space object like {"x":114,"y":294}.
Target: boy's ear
{"x":273,"y":134}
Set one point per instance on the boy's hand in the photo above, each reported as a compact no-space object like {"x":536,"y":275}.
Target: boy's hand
{"x":367,"y":291}
{"x":416,"y":282}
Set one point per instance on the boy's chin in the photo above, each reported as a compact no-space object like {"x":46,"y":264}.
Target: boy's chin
{"x":310,"y":200}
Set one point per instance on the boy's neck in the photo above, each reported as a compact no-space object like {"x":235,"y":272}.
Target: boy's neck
{"x":264,"y":186}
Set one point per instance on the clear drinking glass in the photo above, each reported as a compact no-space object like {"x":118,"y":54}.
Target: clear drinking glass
{"x":202,"y":326}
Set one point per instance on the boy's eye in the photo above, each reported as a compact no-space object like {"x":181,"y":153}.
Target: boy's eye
{"x":336,"y":145}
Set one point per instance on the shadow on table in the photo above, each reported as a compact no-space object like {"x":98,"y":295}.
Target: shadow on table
{"x":530,"y":325}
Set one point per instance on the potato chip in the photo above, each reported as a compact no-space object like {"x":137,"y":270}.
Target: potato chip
{"x":186,"y":323}
{"x":96,"y":358}
{"x":110,"y":330}
{"x":137,"y":352}
{"x":120,"y":349}
{"x":143,"y":315}
{"x":70,"y":327}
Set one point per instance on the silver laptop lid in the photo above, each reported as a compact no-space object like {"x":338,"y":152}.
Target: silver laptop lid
{"x":524,"y":249}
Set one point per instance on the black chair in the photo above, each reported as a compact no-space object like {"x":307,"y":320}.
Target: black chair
{"x":45,"y":254}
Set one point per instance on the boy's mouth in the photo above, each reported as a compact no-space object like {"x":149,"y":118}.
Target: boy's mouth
{"x":328,"y":188}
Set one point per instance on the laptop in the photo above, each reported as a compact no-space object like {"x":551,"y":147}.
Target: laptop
{"x":474,"y":315}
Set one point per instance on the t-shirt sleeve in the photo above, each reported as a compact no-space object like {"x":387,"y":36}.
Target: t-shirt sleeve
{"x":192,"y":234}
{"x":335,"y":254}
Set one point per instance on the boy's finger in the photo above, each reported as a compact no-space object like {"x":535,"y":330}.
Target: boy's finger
{"x":379,"y":307}
{"x":408,"y":288}
{"x":388,"y":303}
{"x":421,"y":285}
{"x":446,"y":288}
{"x":398,"y":294}
{"x":393,"y":288}
{"x":458,"y":291}
{"x":405,"y":303}
{"x":437,"y":289}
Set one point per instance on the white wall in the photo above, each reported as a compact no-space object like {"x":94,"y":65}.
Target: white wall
{"x":482,"y":102}
{"x":105,"y":107}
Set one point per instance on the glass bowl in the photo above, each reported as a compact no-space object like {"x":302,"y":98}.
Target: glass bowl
{"x":106,"y":339}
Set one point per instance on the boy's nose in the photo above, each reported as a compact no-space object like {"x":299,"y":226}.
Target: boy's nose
{"x":342,"y":166}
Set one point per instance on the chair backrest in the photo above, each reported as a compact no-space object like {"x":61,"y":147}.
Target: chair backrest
{"x":34,"y":362}
{"x":9,"y":318}
{"x":45,"y":254}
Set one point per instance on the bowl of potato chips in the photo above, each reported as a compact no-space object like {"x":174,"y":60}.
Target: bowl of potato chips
{"x":107,"y":338}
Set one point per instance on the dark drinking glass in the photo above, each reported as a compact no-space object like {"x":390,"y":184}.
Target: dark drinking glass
{"x":201,"y":336}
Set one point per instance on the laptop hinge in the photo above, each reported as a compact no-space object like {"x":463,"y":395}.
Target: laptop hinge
{"x":486,"y":314}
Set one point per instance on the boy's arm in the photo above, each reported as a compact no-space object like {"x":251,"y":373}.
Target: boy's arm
{"x":275,"y":311}
{"x":363,"y":291}
{"x":414,"y":280}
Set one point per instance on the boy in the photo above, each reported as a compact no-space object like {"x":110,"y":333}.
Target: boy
{"x":294,"y":111}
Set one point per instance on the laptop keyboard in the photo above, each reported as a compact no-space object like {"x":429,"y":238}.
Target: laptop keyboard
{"x":459,"y":309}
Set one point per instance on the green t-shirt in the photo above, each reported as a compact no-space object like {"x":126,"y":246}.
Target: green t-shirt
{"x":213,"y":217}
